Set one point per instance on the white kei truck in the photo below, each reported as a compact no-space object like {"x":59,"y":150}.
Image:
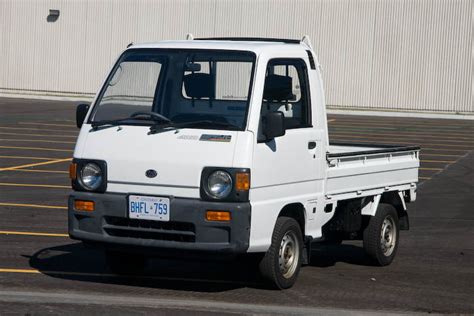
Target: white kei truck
{"x":219,"y":147}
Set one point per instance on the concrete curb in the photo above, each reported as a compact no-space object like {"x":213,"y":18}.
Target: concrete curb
{"x":177,"y":304}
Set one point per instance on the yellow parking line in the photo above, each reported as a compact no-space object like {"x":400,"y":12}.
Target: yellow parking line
{"x":37,"y":129}
{"x":368,"y":129}
{"x":111,"y":275}
{"x":444,"y":149}
{"x":35,"y":164}
{"x":34,"y":206}
{"x":5,"y":232}
{"x":423,"y":154}
{"x":19,"y":270}
{"x":29,"y":185}
{"x":35,"y":271}
{"x":26,"y":157}
{"x":343,"y":122}
{"x":84,"y":274}
{"x":424,"y":178}
{"x":437,"y":169}
{"x":46,"y":124}
{"x":347,"y":122}
{"x":36,"y":141}
{"x":404,"y":123}
{"x":332,"y":120}
{"x":37,"y":148}
{"x":39,"y":135}
{"x":375,"y":129}
{"x":379,"y":139}
{"x":87,"y":274}
{"x":39,"y":171}
{"x":440,"y":161}
{"x":382,"y":141}
{"x":369,"y":135}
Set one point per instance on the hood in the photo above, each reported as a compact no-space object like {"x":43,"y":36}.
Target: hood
{"x":177,"y":156}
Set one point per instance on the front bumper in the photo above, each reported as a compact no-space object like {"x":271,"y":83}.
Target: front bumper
{"x":187,"y":231}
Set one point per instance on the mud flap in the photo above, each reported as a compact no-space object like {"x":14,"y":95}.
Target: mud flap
{"x":403,"y":220}
{"x":307,"y":250}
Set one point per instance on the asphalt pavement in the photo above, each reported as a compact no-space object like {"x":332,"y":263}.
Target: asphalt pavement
{"x":43,"y":271}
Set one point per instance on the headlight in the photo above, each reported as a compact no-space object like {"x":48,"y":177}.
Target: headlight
{"x":219,"y":184}
{"x":91,"y":176}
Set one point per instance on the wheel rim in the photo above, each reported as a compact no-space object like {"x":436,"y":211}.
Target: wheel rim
{"x":289,"y":254}
{"x":388,"y":236}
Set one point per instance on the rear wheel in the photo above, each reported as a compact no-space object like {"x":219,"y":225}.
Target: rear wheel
{"x":122,"y":263}
{"x":381,"y":235}
{"x":281,"y":264}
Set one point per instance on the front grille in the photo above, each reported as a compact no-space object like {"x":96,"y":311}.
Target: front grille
{"x":146,"y":229}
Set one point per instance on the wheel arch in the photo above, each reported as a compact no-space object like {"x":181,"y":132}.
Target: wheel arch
{"x":297,"y":212}
{"x":396,"y":199}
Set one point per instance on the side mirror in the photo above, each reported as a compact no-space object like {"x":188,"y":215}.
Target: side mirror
{"x":81,"y":112}
{"x":273,"y":125}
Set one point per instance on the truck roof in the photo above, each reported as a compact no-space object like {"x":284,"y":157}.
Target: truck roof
{"x":257,"y":45}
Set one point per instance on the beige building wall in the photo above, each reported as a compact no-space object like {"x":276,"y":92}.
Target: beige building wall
{"x":415,"y":55}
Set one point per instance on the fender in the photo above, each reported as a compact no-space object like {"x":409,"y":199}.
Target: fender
{"x":372,"y":204}
{"x":402,"y":199}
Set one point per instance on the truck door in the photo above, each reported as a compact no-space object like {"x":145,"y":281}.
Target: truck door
{"x":289,"y":164}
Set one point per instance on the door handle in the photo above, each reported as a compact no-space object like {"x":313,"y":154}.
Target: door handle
{"x":311,"y":145}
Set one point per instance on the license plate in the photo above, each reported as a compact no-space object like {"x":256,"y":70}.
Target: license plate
{"x":149,"y":207}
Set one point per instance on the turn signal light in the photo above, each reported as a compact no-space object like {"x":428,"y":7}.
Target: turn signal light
{"x":242,"y":182}
{"x":218,"y":216}
{"x":86,"y":206}
{"x":73,"y":171}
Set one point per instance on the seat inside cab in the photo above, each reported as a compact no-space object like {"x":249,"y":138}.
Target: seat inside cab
{"x":285,"y":91}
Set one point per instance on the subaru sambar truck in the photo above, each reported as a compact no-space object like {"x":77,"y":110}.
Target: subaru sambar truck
{"x":219,"y":147}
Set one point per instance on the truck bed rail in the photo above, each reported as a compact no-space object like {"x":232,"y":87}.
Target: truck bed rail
{"x":381,"y":148}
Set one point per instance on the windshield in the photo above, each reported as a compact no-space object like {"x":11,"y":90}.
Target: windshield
{"x":182,"y":85}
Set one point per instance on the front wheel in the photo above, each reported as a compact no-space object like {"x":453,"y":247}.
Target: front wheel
{"x":381,"y":235}
{"x":281,"y":264}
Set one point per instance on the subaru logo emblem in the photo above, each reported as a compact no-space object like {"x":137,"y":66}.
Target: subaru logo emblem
{"x":150,"y":173}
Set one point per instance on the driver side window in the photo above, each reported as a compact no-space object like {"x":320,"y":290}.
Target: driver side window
{"x":286,"y":91}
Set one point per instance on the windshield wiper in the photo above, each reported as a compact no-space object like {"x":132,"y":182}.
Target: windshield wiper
{"x":209,"y":123}
{"x":148,"y":116}
{"x":97,"y":124}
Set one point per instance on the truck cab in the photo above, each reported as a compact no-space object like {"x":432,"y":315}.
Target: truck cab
{"x":219,"y":147}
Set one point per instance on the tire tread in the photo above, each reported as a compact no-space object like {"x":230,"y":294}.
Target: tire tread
{"x":371,"y":235}
{"x":268,"y":265}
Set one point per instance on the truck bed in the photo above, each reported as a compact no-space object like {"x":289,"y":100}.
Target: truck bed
{"x":359,"y":169}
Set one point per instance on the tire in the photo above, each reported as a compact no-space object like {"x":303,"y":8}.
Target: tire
{"x":381,"y":236}
{"x":122,"y":263}
{"x":281,"y":264}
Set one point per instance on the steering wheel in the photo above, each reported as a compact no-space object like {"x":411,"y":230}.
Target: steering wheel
{"x":154,"y":115}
